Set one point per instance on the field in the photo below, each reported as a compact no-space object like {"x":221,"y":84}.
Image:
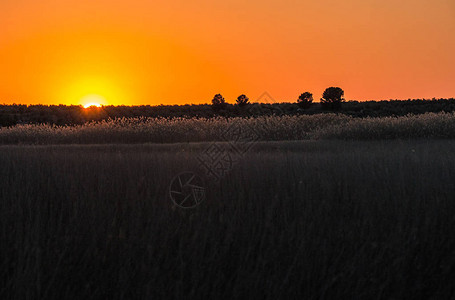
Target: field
{"x":312,"y":219}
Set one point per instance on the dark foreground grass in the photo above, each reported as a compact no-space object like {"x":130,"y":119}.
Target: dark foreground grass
{"x":308,"y":220}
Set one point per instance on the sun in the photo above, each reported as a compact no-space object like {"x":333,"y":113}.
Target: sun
{"x":92,"y":100}
{"x":92,"y":105}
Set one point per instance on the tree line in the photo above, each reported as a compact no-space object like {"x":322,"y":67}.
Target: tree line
{"x":11,"y":115}
{"x":331,"y":99}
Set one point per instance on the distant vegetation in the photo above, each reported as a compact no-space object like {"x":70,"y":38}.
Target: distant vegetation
{"x":242,"y":100}
{"x":218,"y":103}
{"x":332,"y":98}
{"x":11,"y":115}
{"x":305,"y":100}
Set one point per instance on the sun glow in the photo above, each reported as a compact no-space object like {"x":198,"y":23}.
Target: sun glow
{"x":92,"y":100}
{"x":90,"y":89}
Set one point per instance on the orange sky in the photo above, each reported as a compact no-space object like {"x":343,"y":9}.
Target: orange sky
{"x":174,"y":52}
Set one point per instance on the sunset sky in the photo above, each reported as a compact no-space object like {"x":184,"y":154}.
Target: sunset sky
{"x":175,"y":52}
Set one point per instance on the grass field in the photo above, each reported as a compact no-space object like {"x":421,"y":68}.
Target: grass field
{"x":268,"y":128}
{"x":296,"y":219}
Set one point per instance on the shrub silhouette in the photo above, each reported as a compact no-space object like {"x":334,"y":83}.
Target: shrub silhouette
{"x":332,"y":98}
{"x":242,"y":100}
{"x":218,"y":102}
{"x":305,"y":100}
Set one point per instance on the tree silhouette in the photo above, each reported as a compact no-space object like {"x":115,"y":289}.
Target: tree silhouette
{"x":332,"y":98}
{"x":218,"y":102}
{"x":242,"y":100}
{"x":305,"y":100}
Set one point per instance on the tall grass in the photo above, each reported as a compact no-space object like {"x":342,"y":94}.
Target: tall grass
{"x":297,"y":220}
{"x":161,"y":130}
{"x":429,"y":125}
{"x":268,"y":128}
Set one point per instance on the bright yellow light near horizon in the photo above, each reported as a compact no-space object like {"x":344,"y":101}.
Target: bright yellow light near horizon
{"x":92,"y":90}
{"x":93,"y":100}
{"x":92,"y":105}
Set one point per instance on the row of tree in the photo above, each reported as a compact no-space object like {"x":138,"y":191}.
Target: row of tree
{"x":331,"y":100}
{"x":11,"y":115}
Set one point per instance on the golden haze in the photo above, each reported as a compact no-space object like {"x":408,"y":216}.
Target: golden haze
{"x":175,"y":52}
